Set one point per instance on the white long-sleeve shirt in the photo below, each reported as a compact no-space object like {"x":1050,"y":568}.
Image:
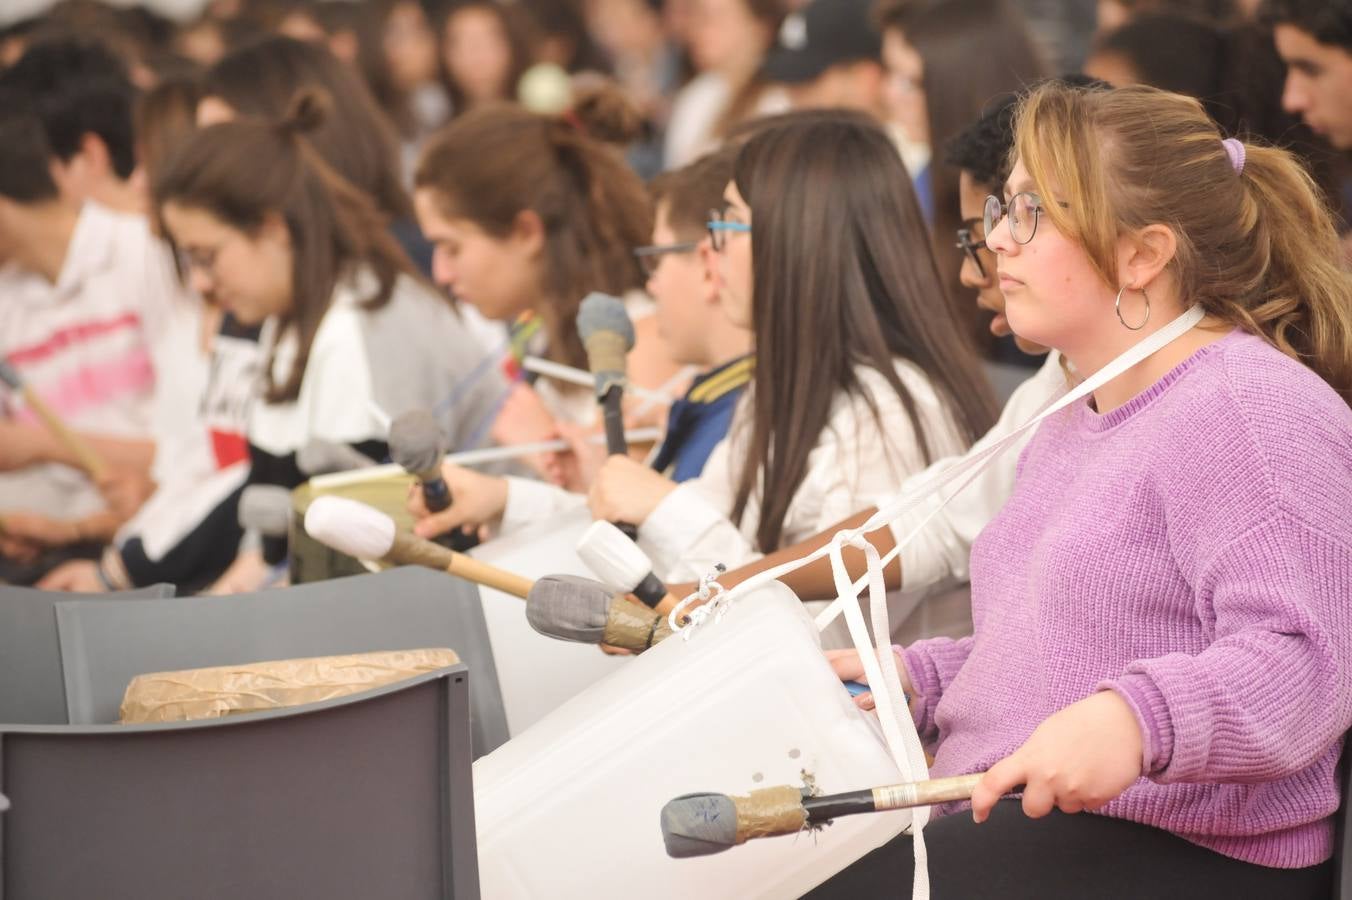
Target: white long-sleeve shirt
{"x":936,"y":559}
{"x":854,"y":464}
{"x":939,"y":552}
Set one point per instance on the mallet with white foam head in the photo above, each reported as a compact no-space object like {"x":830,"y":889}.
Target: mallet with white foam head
{"x":364,"y":532}
{"x":619,"y":562}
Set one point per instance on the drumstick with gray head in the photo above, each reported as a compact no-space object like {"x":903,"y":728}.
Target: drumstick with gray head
{"x":703,"y":824}
{"x":619,"y":562}
{"x":265,"y":509}
{"x":608,"y":334}
{"x":418,"y":445}
{"x":584,"y":611}
{"x":84,"y":455}
{"x":365,"y":532}
{"x":320,"y":457}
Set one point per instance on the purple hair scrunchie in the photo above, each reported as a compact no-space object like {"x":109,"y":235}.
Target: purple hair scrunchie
{"x":1235,"y":150}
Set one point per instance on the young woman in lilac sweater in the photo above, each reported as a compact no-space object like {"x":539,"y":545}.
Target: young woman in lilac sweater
{"x":1163,"y":608}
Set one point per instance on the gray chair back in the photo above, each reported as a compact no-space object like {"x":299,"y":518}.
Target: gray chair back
{"x":105,"y":644}
{"x":363,"y":796}
{"x":32,"y":689}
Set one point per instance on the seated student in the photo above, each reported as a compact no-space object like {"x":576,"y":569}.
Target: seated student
{"x":350,"y":334}
{"x":1314,"y":39}
{"x":187,"y":531}
{"x":945,"y":62}
{"x":93,"y":319}
{"x":262,"y":78}
{"x":691,"y":321}
{"x":690,"y":318}
{"x":84,"y":96}
{"x":1162,"y":627}
{"x":850,"y":326}
{"x":530,"y":213}
{"x":828,"y":56}
{"x":939,"y":553}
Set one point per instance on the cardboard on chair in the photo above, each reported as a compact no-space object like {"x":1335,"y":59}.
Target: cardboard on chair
{"x":251,"y":687}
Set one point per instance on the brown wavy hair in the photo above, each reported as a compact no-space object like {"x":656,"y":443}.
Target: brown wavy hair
{"x":492,"y":164}
{"x":1257,"y":250}
{"x":334,"y":227}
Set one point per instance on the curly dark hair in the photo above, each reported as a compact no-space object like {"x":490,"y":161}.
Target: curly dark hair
{"x":1327,"y":21}
{"x":982,"y":149}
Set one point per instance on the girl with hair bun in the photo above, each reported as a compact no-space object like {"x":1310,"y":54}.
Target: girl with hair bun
{"x":529,"y":213}
{"x":350,"y":333}
{"x":1162,"y":630}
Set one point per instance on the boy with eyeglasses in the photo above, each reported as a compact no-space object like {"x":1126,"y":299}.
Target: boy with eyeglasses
{"x":689,"y":317}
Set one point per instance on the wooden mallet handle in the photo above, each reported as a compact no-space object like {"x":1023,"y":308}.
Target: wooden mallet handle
{"x":83,"y":453}
{"x":470,"y":569}
{"x":409,"y":549}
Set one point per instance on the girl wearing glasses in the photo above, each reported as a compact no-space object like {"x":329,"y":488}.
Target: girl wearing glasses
{"x":862,"y":373}
{"x":1163,"y":636}
{"x":351,"y":335}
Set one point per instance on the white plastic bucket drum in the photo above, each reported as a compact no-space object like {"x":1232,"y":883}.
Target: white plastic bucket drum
{"x":537,"y":674}
{"x":570,"y":808}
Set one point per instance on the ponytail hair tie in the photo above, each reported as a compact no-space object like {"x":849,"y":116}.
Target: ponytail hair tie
{"x":1235,"y":150}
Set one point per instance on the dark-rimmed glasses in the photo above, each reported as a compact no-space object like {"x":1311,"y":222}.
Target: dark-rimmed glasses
{"x":1023,"y":209}
{"x":650,"y":257}
{"x":969,"y":246}
{"x":719,"y":225}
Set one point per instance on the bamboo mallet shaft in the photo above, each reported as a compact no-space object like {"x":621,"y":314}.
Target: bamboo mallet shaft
{"x":413,"y":550}
{"x":84,"y":455}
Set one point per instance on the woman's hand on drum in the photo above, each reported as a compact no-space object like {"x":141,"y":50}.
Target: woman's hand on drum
{"x":476,"y":499}
{"x":849,"y":667}
{"x":1078,"y":759}
{"x":626,"y":491}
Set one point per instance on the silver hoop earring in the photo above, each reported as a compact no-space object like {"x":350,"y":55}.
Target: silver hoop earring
{"x":1117,"y":307}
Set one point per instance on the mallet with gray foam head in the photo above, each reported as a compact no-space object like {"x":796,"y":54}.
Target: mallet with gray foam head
{"x":608,"y":335}
{"x":704,"y":824}
{"x":572,"y":608}
{"x":266,"y":509}
{"x":418,"y":445}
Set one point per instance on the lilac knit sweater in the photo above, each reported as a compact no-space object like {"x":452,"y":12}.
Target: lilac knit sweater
{"x":1191,"y":550}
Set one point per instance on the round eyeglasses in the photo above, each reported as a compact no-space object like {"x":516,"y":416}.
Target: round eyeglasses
{"x":969,"y":246}
{"x":1023,"y":210}
{"x":719,"y":225}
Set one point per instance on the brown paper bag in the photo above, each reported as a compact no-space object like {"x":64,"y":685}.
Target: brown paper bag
{"x":250,"y":687}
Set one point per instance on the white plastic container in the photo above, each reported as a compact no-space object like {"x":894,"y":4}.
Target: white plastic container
{"x":570,"y":808}
{"x":537,"y":674}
